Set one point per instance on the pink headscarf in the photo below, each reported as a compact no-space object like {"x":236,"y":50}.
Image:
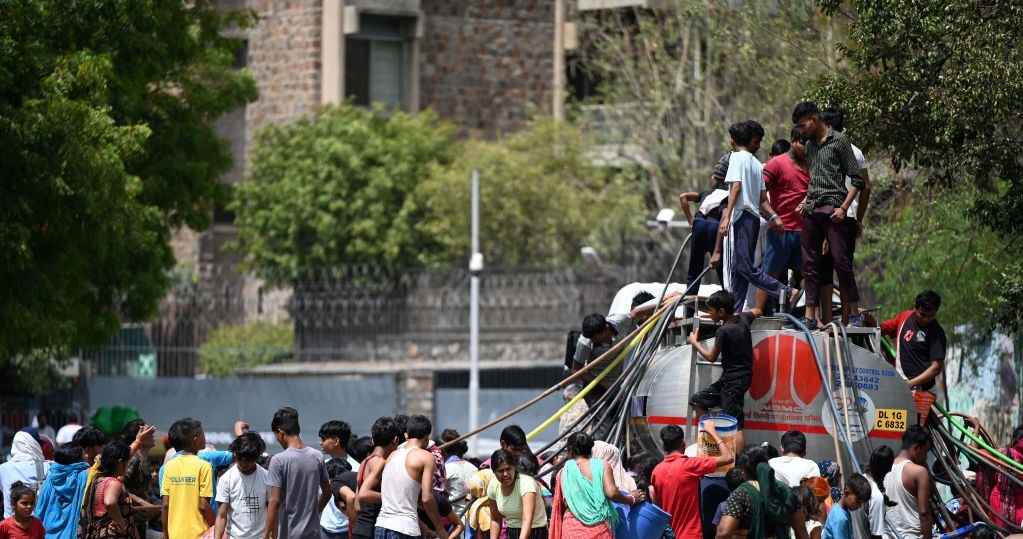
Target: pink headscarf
{"x":609,"y":454}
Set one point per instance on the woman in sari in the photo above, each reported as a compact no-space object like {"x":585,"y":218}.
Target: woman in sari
{"x":106,"y":510}
{"x":1005,"y":497}
{"x":585,"y":490}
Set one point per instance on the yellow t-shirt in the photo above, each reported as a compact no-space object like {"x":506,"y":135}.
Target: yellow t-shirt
{"x":186,"y":479}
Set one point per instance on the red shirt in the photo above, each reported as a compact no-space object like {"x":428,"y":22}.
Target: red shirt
{"x":676,"y":483}
{"x":9,"y":529}
{"x":786,"y":186}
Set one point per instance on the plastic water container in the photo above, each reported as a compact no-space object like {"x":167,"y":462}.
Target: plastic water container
{"x":726,"y":427}
{"x":641,"y":521}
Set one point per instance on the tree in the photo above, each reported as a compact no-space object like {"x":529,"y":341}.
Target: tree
{"x":541,"y":199}
{"x":673,"y":78}
{"x":329,"y":190}
{"x":929,"y":241}
{"x":938,"y":87}
{"x":229,"y":348}
{"x":105,"y":120}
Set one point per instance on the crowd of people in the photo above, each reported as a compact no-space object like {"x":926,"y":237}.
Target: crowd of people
{"x":400,"y":482}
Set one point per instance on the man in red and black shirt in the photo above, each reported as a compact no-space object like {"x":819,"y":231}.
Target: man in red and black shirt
{"x":920,"y":352}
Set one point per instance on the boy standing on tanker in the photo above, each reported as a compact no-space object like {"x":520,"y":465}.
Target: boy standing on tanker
{"x":827,"y":204}
{"x":733,"y":342}
{"x":740,"y":222}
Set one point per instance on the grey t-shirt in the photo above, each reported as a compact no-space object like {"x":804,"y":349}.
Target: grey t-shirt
{"x":586,"y":350}
{"x":299,"y":474}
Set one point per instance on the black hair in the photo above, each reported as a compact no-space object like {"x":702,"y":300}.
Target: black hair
{"x":834,"y":117}
{"x":981,"y":530}
{"x":672,"y":438}
{"x":806,"y":500}
{"x":503,"y":456}
{"x":286,"y":419}
{"x":19,"y":489}
{"x":89,"y":436}
{"x":914,"y":435}
{"x":336,"y":429}
{"x":733,"y":479}
{"x":750,"y":457}
{"x":641,"y":298}
{"x":928,"y":299}
{"x":770,"y":451}
{"x":797,"y":134}
{"x":513,"y":435}
{"x":418,"y":427}
{"x":881,"y":460}
{"x":68,"y":454}
{"x":721,"y":299}
{"x":526,"y":464}
{"x":794,"y":441}
{"x":756,"y":128}
{"x":780,"y":147}
{"x":1017,"y":434}
{"x":593,"y":324}
{"x":741,"y":133}
{"x":858,"y":485}
{"x":361,"y":448}
{"x":645,"y":469}
{"x":336,"y":467}
{"x":806,"y":108}
{"x":248,"y":446}
{"x":113,"y":454}
{"x":384,"y":431}
{"x":580,"y":444}
{"x":182,"y":431}
{"x":131,"y":430}
{"x":401,"y":425}
{"x":457,"y":449}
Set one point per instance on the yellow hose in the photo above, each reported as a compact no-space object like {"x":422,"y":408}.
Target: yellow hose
{"x":621,"y":356}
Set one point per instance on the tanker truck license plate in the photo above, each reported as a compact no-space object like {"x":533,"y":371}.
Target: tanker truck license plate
{"x":890,"y":420}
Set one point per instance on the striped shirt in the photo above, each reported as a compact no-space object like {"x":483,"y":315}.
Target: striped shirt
{"x":830,"y":163}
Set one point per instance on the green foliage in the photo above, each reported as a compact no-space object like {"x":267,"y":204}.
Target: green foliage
{"x":328,"y":191}
{"x":674,"y":78}
{"x":939,"y":87}
{"x":105,"y":120}
{"x":229,"y":348}
{"x":541,"y":199}
{"x":928,"y":241}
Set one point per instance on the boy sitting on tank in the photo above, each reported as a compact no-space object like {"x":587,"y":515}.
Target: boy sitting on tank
{"x":733,"y":342}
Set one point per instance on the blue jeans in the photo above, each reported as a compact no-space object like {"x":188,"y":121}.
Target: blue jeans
{"x":705,"y":236}
{"x":384,"y":533}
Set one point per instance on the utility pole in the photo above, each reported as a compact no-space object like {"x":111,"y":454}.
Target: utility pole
{"x":475,"y":269}
{"x":558,"y":105}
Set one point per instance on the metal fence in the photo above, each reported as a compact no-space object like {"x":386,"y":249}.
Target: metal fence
{"x":336,"y":311}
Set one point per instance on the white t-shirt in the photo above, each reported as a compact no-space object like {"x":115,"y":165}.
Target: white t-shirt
{"x":862,"y":162}
{"x":792,"y":470}
{"x":872,"y":515}
{"x":743,"y":167}
{"x":248,"y":495}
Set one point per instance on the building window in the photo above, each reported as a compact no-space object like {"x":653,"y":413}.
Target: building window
{"x":376,"y":62}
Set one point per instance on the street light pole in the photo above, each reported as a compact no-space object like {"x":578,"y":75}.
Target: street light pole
{"x":475,"y":269}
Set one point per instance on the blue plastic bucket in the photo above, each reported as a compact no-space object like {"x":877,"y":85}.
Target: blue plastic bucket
{"x":647,"y":521}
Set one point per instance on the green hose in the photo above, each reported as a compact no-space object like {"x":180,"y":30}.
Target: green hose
{"x":994,"y":452}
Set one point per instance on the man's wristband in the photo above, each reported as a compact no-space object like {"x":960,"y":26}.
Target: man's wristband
{"x":772,"y":217}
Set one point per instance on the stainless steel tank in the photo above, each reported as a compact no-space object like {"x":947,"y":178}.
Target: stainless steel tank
{"x":786,"y":393}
